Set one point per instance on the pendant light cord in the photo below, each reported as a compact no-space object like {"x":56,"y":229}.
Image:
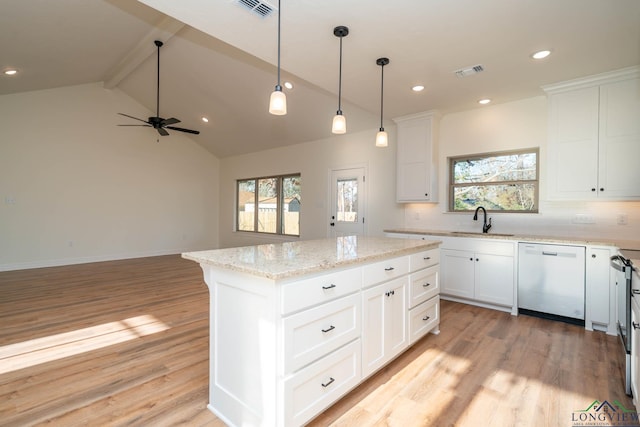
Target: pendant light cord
{"x":340,"y":81}
{"x":279,"y":10}
{"x":381,"y":97}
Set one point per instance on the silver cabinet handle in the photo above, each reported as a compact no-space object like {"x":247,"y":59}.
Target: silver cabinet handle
{"x":636,"y":291}
{"x":328,"y":383}
{"x":550,"y":253}
{"x":425,"y":318}
{"x":331,"y":328}
{"x":635,"y":325}
{"x":329,"y":287}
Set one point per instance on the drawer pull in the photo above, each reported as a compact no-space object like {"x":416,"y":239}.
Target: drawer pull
{"x":426,"y":285}
{"x":635,"y":325}
{"x":636,"y":291}
{"x":331,"y":328}
{"x":427,"y":258}
{"x":389,"y":269}
{"x":425,"y":318}
{"x":331,"y":380}
{"x":389,"y":293}
{"x":331,"y":286}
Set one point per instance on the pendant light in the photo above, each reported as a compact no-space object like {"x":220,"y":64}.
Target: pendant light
{"x":382,"y":139}
{"x":278,"y":100}
{"x":339,"y":121}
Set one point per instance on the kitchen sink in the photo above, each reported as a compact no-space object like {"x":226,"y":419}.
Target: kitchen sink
{"x":477,"y":233}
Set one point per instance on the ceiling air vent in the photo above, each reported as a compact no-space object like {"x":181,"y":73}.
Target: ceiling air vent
{"x":464,"y":72}
{"x":258,"y":7}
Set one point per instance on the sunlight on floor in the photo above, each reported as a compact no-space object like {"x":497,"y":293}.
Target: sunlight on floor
{"x":53,"y":347}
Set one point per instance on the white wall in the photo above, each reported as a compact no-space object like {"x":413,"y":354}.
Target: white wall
{"x":314,"y":160}
{"x":513,"y":125}
{"x":74,"y":187}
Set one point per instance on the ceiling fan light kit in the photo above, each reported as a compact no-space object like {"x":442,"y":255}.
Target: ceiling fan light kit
{"x":339,"y":125}
{"x":382,"y":139}
{"x":278,"y":100}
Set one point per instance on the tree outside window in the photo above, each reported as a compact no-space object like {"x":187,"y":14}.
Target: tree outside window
{"x":500,"y":182}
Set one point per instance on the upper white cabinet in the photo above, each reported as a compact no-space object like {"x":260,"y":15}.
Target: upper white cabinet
{"x":417,"y":158}
{"x":594,"y":137}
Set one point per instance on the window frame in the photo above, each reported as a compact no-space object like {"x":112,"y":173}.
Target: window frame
{"x":479,"y":156}
{"x":280,"y":204}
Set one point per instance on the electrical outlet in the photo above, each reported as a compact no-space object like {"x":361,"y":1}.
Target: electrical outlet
{"x":583,"y":219}
{"x":622,"y":219}
{"x":9,"y":200}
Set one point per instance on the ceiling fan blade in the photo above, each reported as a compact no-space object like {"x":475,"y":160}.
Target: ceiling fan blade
{"x":195,"y":132}
{"x":162,"y":132}
{"x":131,"y":117}
{"x":170,"y":121}
{"x":144,"y":126}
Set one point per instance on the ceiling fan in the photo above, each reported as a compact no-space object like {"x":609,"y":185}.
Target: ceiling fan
{"x":157,"y":122}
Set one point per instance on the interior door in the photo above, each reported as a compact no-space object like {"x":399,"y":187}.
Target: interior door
{"x":347,"y":202}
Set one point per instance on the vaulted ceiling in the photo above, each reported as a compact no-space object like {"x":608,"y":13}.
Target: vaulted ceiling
{"x":219,"y":57}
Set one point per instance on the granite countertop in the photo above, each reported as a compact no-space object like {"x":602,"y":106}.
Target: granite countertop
{"x":622,"y":244}
{"x":289,"y":259}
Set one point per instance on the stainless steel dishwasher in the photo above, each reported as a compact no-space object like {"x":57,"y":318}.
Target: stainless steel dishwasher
{"x":551,"y":281}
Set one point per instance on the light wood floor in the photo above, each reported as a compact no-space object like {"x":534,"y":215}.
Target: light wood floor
{"x":126,"y":343}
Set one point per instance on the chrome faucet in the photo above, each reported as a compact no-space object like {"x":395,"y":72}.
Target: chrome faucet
{"x":485,"y":226}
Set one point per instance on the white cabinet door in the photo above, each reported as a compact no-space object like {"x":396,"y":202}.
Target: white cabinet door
{"x":457,"y":273}
{"x":635,"y":351}
{"x":597,"y":272}
{"x":573,"y":144}
{"x":416,"y":159}
{"x":384,"y":323}
{"x":594,"y":138}
{"x":494,"y":279}
{"x":619,"y":148}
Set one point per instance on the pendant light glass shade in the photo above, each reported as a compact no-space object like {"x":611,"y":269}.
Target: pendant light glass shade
{"x":339,"y":125}
{"x":382,"y":139}
{"x":278,"y":100}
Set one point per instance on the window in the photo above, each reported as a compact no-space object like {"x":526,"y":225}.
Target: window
{"x":501,"y":182}
{"x":269,"y":205}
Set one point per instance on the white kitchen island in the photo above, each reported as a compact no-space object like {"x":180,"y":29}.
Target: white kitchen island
{"x":295,"y":326}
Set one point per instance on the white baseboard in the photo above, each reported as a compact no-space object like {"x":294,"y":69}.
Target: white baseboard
{"x":84,"y":260}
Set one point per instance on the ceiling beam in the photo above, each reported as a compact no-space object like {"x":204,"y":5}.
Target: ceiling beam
{"x":166,"y":28}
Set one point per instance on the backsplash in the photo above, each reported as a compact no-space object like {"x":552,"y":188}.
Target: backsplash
{"x":554,"y":219}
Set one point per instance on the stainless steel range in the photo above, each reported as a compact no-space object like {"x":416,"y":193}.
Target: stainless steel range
{"x":624,"y":291}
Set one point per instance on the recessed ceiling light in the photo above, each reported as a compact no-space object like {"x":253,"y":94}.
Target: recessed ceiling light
{"x":288,"y":85}
{"x":484,"y":101}
{"x":204,"y":119}
{"x":541,"y":54}
{"x":417,"y":88}
{"x":11,"y":72}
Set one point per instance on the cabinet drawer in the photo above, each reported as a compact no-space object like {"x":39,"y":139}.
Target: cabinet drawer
{"x":385,"y":270}
{"x":424,"y":318}
{"x":424,"y":284}
{"x":311,"y":390}
{"x":424,"y":259}
{"x":313,"y":333}
{"x":317,"y":290}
